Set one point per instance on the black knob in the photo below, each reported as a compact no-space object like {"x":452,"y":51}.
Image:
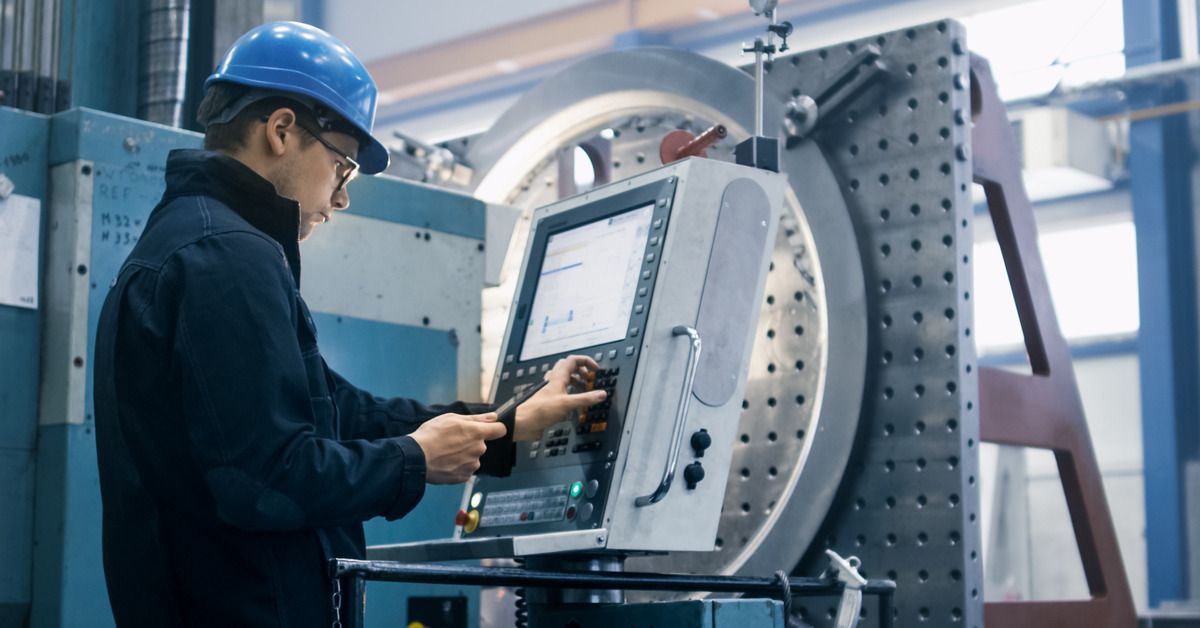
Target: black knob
{"x":701,"y":441}
{"x":692,"y":474}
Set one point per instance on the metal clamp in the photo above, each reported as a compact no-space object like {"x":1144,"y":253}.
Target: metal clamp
{"x":847,"y":573}
{"x":681,"y":411}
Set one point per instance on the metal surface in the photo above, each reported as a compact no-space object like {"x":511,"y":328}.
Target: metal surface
{"x":1042,"y":409}
{"x":576,"y":563}
{"x":794,"y":419}
{"x":23,"y":148}
{"x":163,"y":56}
{"x":689,"y":377}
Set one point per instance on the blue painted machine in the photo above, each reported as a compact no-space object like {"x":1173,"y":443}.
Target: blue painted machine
{"x":413,"y":333}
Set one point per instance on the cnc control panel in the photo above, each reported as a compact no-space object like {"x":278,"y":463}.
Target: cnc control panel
{"x":639,"y":275}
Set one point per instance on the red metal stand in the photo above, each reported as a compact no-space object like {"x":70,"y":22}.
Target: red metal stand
{"x":1043,"y":409}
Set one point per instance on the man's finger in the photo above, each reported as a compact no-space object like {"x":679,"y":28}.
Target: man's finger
{"x":583,"y":400}
{"x":486,"y":417}
{"x":492,"y":431}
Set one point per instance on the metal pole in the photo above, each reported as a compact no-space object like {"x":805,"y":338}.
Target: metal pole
{"x":354,"y":601}
{"x":758,"y":87}
{"x":630,"y":581}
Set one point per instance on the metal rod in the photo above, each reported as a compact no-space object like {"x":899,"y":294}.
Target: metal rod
{"x":758,"y":87}
{"x":701,"y":142}
{"x":517,"y":577}
{"x":39,"y":12}
{"x":4,"y":38}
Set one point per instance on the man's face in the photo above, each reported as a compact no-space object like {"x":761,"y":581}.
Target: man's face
{"x":310,"y":174}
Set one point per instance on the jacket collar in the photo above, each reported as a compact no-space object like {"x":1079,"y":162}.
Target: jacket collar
{"x":213,"y":174}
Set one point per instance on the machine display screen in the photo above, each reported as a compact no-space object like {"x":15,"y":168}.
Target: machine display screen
{"x":587,"y":283}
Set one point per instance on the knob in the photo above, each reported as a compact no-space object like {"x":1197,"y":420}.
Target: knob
{"x":701,"y":441}
{"x":460,"y":518}
{"x":692,"y":474}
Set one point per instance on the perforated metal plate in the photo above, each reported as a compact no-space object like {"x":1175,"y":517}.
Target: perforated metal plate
{"x":908,"y":506}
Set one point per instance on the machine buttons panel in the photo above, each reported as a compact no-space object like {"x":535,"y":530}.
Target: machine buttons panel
{"x":529,"y":505}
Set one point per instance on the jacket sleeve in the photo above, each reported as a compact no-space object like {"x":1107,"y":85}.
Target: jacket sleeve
{"x":245,"y":397}
{"x":367,"y":416}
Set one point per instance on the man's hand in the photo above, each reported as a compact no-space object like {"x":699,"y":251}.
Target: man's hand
{"x":552,"y":403}
{"x":453,"y":444}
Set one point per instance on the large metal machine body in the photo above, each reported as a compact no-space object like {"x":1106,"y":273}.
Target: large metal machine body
{"x":393,"y":284}
{"x":860,"y":424}
{"x":682,"y":246}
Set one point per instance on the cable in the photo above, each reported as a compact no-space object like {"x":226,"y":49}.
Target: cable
{"x":785,"y":593}
{"x":522,"y":612}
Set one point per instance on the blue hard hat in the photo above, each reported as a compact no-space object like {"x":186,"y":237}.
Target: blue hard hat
{"x":295,"y":58}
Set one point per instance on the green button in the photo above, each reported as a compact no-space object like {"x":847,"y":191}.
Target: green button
{"x":576,"y":489}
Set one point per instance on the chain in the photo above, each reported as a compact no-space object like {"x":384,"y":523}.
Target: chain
{"x":336,"y":600}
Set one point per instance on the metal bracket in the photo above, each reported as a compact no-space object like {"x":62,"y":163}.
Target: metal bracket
{"x":847,"y":573}
{"x":689,"y":379}
{"x":804,"y":113}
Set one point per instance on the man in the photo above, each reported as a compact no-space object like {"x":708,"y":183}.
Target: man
{"x":233,"y":461}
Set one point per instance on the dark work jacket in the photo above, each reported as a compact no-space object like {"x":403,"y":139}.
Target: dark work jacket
{"x":233,"y":461}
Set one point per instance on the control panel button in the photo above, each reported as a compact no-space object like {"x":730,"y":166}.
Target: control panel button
{"x":599,"y":356}
{"x":593,"y":487}
{"x":576,"y":489}
{"x":692,"y":474}
{"x":460,"y":518}
{"x":612,"y":353}
{"x":472,"y":523}
{"x":701,"y":440}
{"x":585,"y":511}
{"x":570,"y":513}
{"x":476,"y":499}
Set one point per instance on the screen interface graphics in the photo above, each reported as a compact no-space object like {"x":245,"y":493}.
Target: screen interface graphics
{"x":587,"y":284}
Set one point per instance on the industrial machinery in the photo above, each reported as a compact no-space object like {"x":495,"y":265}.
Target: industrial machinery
{"x":860,"y":417}
{"x":841,"y":418}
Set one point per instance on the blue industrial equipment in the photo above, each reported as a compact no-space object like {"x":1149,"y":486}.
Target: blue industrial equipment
{"x":24,"y":138}
{"x":392,"y":332}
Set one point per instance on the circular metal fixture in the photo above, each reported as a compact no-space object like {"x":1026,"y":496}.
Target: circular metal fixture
{"x":805,"y":388}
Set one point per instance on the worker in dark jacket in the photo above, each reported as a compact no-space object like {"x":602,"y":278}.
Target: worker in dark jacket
{"x":233,"y":461}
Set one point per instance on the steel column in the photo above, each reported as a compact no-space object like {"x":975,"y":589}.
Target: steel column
{"x":1160,"y":164}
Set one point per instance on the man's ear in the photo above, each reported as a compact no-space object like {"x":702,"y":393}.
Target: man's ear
{"x":281,"y":122}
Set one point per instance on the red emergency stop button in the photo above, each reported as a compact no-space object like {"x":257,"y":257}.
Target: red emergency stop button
{"x":460,"y":518}
{"x":472,"y":523}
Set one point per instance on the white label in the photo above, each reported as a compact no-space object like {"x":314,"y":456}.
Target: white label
{"x":20,"y":217}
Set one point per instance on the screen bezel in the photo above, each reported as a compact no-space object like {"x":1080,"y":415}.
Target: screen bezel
{"x":581,"y":216}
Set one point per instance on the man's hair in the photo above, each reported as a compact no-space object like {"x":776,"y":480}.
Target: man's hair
{"x":230,"y":136}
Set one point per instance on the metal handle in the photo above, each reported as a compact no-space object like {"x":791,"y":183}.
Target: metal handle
{"x":689,"y":378}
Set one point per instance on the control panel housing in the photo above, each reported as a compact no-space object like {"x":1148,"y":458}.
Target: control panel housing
{"x":629,"y":274}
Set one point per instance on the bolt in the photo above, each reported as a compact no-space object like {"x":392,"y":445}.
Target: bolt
{"x":957,"y":46}
{"x":130,"y":144}
{"x":960,"y":81}
{"x":962,"y":152}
